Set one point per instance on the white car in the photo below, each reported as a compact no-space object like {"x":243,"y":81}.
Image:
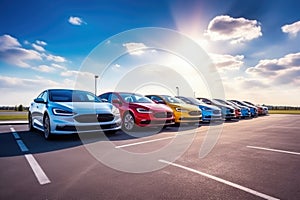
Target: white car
{"x":65,"y":111}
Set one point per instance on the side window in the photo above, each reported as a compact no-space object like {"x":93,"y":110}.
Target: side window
{"x":156,"y":99}
{"x":104,"y":96}
{"x":114,"y":97}
{"x":43,"y":95}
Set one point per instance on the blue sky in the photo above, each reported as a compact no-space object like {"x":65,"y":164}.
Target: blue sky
{"x":253,"y":44}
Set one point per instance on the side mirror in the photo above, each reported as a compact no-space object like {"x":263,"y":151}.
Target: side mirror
{"x":116,"y":101}
{"x":39,"y":100}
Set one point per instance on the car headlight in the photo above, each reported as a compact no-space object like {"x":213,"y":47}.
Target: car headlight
{"x":115,"y":111}
{"x":178,"y":109}
{"x":62,"y":112}
{"x":143,"y":110}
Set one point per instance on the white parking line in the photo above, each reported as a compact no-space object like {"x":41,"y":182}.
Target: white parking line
{"x":143,"y":142}
{"x":275,"y":150}
{"x":22,"y":146}
{"x":15,"y":134}
{"x":259,"y":194}
{"x":37,"y":170}
{"x":149,"y":141}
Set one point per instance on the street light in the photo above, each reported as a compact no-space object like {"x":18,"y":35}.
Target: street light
{"x":177,"y":88}
{"x":96,"y":76}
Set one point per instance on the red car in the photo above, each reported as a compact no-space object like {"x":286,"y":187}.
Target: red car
{"x":136,"y":109}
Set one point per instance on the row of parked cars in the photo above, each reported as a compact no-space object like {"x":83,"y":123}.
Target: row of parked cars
{"x":64,"y":111}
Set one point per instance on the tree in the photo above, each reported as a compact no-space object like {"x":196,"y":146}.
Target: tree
{"x":20,"y":108}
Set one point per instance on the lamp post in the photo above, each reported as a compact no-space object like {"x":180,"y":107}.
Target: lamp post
{"x":96,"y":76}
{"x":177,"y":88}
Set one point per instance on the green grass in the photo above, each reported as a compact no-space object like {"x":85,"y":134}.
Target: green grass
{"x":13,"y":117}
{"x":296,"y":112}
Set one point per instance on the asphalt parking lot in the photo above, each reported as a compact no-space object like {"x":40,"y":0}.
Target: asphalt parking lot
{"x":252,"y":159}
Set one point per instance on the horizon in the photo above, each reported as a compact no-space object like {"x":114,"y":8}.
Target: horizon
{"x":253,"y":45}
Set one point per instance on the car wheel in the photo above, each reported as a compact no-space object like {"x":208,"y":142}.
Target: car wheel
{"x":47,"y":128}
{"x":128,"y":122}
{"x":30,"y":125}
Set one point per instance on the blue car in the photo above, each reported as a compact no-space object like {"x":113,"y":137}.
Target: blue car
{"x":228,"y":112}
{"x":209,"y":112}
{"x":64,"y":111}
{"x":245,"y":111}
{"x":253,"y":109}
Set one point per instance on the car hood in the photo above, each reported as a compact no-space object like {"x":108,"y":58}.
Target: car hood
{"x":212,"y":107}
{"x":185,"y":106}
{"x":152,"y":106}
{"x":86,"y":107}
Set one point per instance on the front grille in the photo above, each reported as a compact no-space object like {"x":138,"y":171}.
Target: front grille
{"x":163,"y":115}
{"x":216,"y":112}
{"x":194,"y":113}
{"x":105,"y":117}
{"x":91,"y":118}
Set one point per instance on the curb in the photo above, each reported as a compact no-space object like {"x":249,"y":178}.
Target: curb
{"x":13,"y":122}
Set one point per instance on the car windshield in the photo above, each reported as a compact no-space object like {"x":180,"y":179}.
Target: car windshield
{"x":194,"y":101}
{"x":216,"y":102}
{"x":72,"y":96}
{"x":170,"y":99}
{"x":135,"y":98}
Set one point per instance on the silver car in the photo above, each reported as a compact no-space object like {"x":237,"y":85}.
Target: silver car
{"x":64,"y":111}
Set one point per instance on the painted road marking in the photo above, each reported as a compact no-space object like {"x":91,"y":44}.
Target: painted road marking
{"x":248,"y":190}
{"x":15,"y":134}
{"x":143,"y":142}
{"x":154,"y":140}
{"x":275,"y":150}
{"x":37,"y":170}
{"x":22,"y":146}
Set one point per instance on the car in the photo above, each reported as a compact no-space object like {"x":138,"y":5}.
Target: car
{"x":138,"y":111}
{"x":266,"y":110}
{"x":261,"y":110}
{"x":237,"y":109}
{"x":245,"y":111}
{"x":67,"y":111}
{"x":209,"y":112}
{"x":253,"y":109}
{"x":183,"y":112}
{"x":228,"y":112}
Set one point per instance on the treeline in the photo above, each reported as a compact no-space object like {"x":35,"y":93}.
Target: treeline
{"x":14,"y":108}
{"x":282,"y":107}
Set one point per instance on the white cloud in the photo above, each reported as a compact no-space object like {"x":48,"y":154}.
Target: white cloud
{"x":135,"y":48}
{"x":57,"y":66}
{"x":38,"y":47}
{"x":54,"y":58}
{"x":12,"y":52}
{"x":10,"y":86}
{"x":74,"y":73}
{"x":227,"y":61}
{"x":235,"y":30}
{"x":291,"y":29}
{"x":77,"y":21}
{"x":285,"y":70}
{"x":44,"y":68}
{"x":41,"y":43}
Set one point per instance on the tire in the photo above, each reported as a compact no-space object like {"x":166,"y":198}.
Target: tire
{"x":47,"y":128}
{"x":30,"y":125}
{"x":128,"y":122}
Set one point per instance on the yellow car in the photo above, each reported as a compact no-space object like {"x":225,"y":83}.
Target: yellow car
{"x":183,"y":112}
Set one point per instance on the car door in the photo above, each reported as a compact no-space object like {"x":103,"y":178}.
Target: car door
{"x":40,"y":108}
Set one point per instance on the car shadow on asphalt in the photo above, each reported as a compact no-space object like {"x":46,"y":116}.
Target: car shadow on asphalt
{"x":36,"y":143}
